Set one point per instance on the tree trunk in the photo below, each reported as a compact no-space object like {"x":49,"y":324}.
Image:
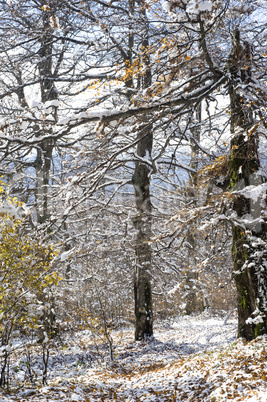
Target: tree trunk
{"x":192,"y":296}
{"x":45,"y":152}
{"x":48,"y":93}
{"x":249,"y":234}
{"x":143,"y":221}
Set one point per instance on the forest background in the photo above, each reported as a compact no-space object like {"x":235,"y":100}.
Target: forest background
{"x":133,"y":163}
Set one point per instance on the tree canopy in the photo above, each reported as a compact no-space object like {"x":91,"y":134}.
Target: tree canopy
{"x":135,"y":132}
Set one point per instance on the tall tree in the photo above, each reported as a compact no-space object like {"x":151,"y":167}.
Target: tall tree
{"x":143,"y":220}
{"x":245,"y":175}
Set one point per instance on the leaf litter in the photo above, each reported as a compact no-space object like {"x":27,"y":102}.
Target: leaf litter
{"x":190,"y":359}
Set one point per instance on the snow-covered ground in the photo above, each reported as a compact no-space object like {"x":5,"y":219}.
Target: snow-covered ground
{"x":189,"y":359}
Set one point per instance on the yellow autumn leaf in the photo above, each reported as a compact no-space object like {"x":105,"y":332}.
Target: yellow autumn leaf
{"x":46,"y":7}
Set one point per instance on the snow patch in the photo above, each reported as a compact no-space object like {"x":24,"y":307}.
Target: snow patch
{"x":35,"y":104}
{"x":195,"y":7}
{"x":166,"y":6}
{"x":253,"y":192}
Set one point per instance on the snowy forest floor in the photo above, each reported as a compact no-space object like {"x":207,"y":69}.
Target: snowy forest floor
{"x":189,"y":359}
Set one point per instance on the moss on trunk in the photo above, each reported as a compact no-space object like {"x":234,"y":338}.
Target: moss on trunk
{"x":249,"y":250}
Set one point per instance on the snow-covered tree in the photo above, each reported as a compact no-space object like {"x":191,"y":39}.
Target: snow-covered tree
{"x":133,"y":99}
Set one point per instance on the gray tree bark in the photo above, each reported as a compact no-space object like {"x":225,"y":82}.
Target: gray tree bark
{"x":143,"y":220}
{"x":249,"y":251}
{"x":48,"y":93}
